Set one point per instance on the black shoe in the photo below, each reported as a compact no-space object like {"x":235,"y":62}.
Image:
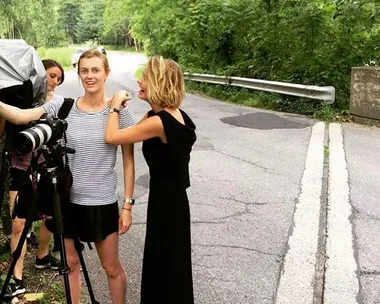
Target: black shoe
{"x":47,"y":262}
{"x":32,"y":241}
{"x":16,"y":288}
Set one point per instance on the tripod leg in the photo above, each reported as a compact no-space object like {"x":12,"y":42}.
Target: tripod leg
{"x":79,"y":248}
{"x":5,"y":160}
{"x":64,"y":269}
{"x":16,"y":254}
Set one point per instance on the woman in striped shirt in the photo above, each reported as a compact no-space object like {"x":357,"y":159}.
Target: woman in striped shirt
{"x":93,"y":196}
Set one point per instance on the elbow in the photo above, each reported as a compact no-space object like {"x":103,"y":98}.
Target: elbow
{"x":116,"y":138}
{"x":109,"y":139}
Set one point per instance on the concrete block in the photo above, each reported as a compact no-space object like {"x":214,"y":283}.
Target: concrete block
{"x":365,"y":92}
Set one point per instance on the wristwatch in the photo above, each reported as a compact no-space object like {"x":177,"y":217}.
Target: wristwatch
{"x":130,"y":201}
{"x":115,"y":110}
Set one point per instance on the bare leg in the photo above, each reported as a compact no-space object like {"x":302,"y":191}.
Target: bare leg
{"x":108,"y":251}
{"x":45,"y":237}
{"x":12,"y":197}
{"x":74,"y":274}
{"x":17,"y":227}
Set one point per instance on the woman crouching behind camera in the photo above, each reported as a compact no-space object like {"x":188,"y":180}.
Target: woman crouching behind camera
{"x":93,"y":197}
{"x":19,"y":176}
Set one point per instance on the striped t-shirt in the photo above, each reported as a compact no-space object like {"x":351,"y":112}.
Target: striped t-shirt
{"x":93,"y":164}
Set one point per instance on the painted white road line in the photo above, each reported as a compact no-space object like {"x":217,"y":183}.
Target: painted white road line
{"x":341,"y":281}
{"x":296,"y":282}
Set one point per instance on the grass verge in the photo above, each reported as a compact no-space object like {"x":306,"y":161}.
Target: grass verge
{"x":62,"y":55}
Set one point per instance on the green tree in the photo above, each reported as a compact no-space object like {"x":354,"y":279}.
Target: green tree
{"x":90,"y":24}
{"x":68,"y":15}
{"x":23,"y":19}
{"x":116,"y":23}
{"x":156,"y":24}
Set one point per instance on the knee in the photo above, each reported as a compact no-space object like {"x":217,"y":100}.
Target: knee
{"x":113,"y":270}
{"x":73,"y":262}
{"x":17,"y":226}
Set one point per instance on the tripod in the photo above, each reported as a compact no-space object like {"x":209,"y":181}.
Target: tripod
{"x":50,"y":171}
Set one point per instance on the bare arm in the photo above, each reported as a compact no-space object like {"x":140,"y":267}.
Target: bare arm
{"x":19,"y":116}
{"x":145,"y":129}
{"x":129,"y":182}
{"x":129,"y":169}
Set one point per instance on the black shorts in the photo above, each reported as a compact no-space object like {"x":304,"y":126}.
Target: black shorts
{"x":19,"y":180}
{"x":88,"y":223}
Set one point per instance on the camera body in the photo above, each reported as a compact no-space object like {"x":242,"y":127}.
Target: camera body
{"x":47,"y":130}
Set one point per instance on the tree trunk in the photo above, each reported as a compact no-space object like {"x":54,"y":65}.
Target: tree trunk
{"x":127,"y":43}
{"x":137,"y":45}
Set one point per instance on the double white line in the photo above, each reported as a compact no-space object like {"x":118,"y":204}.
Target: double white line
{"x":298,"y":276}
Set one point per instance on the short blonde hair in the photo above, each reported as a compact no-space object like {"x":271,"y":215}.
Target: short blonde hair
{"x":165,"y":82}
{"x":94,"y":53}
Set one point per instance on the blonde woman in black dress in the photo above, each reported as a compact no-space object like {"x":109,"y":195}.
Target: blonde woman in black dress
{"x":168,"y":135}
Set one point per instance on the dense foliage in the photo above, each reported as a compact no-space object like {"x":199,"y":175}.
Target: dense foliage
{"x":302,"y":41}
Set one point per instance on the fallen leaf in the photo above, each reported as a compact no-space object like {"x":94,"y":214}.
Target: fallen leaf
{"x":34,"y":296}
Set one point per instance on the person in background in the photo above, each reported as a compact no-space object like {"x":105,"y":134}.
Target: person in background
{"x":168,"y":135}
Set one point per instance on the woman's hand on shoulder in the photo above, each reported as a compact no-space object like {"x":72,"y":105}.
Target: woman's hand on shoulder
{"x":119,"y":99}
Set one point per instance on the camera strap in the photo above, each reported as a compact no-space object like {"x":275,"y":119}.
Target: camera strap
{"x":64,"y":110}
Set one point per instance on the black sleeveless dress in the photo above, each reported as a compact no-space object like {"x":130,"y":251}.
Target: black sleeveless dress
{"x":167,"y":272}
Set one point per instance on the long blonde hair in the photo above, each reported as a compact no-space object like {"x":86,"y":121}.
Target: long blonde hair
{"x":165,"y":82}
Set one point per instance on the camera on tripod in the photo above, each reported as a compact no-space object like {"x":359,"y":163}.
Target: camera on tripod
{"x":45,"y":131}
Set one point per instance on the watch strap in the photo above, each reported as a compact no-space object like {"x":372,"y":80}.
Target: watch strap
{"x":114,"y":110}
{"x":130,"y":201}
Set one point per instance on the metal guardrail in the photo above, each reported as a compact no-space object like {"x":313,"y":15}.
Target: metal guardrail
{"x":326,"y":93}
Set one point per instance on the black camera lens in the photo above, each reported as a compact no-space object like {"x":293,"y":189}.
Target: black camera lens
{"x":33,"y":138}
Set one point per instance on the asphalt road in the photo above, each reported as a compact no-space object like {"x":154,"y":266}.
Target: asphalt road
{"x":284,"y":208}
